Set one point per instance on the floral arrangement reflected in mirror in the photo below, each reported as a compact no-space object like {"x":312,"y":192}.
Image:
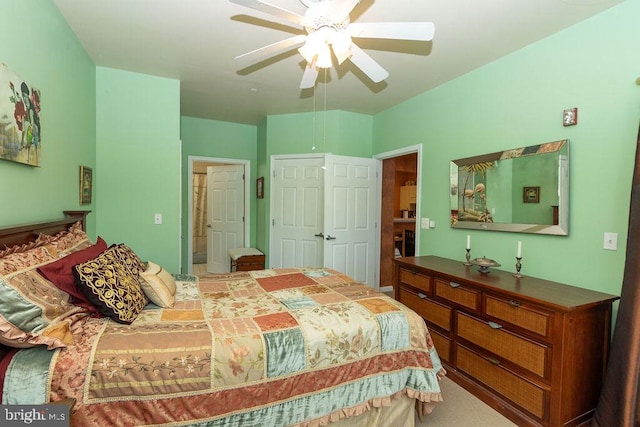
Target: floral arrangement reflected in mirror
{"x":473,"y":206}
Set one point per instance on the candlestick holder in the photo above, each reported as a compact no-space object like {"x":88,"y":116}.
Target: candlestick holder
{"x":518,"y":267}
{"x":468,"y":257}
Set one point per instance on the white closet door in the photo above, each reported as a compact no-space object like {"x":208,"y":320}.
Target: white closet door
{"x":297,"y":193}
{"x":350,"y":216}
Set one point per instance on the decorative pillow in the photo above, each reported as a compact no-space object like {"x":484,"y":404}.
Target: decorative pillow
{"x":129,"y":258}
{"x":8,"y":250}
{"x":60,"y":273}
{"x":32,"y":310}
{"x":22,"y":261}
{"x":110,"y":285}
{"x":66,"y":242}
{"x":158,"y":285}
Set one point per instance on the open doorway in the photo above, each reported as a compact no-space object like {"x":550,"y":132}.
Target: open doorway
{"x":400,"y":208}
{"x":197,"y":209}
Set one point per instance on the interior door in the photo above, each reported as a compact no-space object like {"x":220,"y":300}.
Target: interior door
{"x":350,"y":216}
{"x":297,"y":193}
{"x":225,"y":215}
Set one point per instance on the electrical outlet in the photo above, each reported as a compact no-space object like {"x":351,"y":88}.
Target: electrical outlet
{"x":610,"y":241}
{"x":157,"y":219}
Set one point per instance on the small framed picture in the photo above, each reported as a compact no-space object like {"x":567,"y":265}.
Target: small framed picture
{"x":260,"y":187}
{"x":531,"y":194}
{"x":86,"y":185}
{"x":570,"y":117}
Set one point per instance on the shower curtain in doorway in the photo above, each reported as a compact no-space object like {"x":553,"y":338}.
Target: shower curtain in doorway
{"x":199,"y":218}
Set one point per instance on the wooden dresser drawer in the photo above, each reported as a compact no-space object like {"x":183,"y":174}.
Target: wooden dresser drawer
{"x":520,"y":391}
{"x":532,"y":349}
{"x":442,"y":344}
{"x":431,"y":311}
{"x":458,"y":294}
{"x":522,"y":315}
{"x":521,"y":351}
{"x":417,"y":280}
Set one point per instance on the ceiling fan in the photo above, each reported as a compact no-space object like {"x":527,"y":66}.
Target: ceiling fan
{"x":329,"y":29}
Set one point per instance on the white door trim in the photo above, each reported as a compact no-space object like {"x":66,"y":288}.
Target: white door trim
{"x":247,"y":200}
{"x":388,"y":155}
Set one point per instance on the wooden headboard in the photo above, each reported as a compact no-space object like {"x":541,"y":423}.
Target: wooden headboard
{"x":26,"y":233}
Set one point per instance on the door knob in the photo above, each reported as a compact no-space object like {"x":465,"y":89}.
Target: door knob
{"x":330,"y":238}
{"x":208,"y":225}
{"x":319,"y":235}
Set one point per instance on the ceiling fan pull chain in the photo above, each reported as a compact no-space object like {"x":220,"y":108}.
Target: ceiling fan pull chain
{"x":324,"y":131}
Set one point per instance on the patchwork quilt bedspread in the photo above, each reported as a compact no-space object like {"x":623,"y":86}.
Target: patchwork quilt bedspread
{"x":244,"y":349}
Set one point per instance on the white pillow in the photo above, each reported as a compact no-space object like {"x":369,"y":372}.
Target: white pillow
{"x":158,"y":285}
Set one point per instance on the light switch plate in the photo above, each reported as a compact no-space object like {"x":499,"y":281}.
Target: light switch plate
{"x":424,"y":223}
{"x":610,"y":241}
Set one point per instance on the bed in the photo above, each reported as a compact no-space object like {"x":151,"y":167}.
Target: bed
{"x":274,"y":347}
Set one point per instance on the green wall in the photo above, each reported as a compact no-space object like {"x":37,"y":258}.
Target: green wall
{"x":540,"y":171}
{"x":138,"y":163}
{"x":515,"y":101}
{"x":37,"y":44}
{"x":336,"y":132}
{"x":212,"y":138}
{"x":518,"y":101}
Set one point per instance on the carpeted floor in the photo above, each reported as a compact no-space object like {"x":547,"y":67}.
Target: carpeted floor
{"x":461,"y":408}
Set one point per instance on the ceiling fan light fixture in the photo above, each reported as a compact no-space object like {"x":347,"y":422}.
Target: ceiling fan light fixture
{"x":308,"y":52}
{"x":312,"y":48}
{"x":341,"y":44}
{"x":324,"y":57}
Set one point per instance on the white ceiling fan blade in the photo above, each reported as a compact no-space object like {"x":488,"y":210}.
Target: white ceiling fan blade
{"x":272,"y":49}
{"x":342,"y":8}
{"x":368,"y":66}
{"x":309,"y":77}
{"x":420,"y":31}
{"x":271,"y":9}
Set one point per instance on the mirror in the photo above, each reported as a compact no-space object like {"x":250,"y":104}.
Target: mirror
{"x":524,"y":190}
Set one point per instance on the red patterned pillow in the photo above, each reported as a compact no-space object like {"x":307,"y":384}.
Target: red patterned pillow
{"x":60,"y":273}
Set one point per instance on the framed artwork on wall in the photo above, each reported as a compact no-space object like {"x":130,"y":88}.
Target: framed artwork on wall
{"x":20,"y":112}
{"x":260,"y":187}
{"x":531,"y":194}
{"x":86,"y":185}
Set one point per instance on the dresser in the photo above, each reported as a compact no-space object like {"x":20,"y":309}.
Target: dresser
{"x":533,"y":349}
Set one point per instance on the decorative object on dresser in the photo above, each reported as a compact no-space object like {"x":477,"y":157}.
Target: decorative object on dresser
{"x":534,"y":350}
{"x":485,"y":264}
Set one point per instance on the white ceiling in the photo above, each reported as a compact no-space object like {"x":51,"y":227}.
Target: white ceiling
{"x":196,"y":41}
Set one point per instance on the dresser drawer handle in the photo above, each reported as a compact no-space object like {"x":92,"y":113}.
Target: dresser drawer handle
{"x":454,"y":284}
{"x":514,"y":304}
{"x":493,"y":361}
{"x":494,"y":325}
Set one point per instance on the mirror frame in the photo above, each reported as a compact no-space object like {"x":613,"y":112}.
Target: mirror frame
{"x":560,"y":229}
